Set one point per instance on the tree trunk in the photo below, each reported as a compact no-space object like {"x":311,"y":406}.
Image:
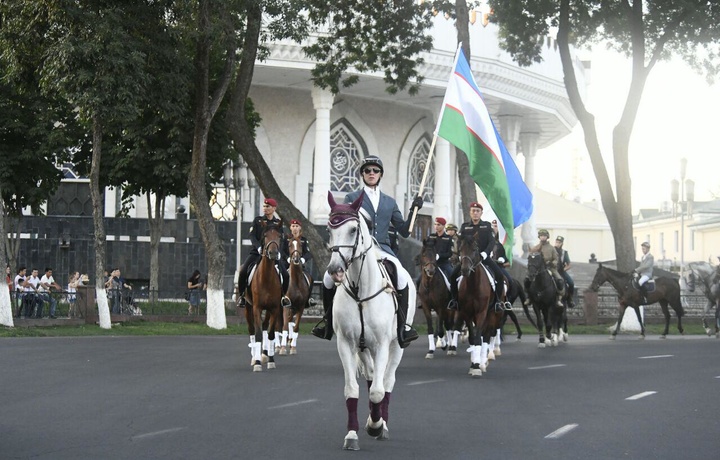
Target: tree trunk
{"x":98,"y":206}
{"x":156,"y":224}
{"x":618,"y":211}
{"x":205,"y":109}
{"x":6,"y":317}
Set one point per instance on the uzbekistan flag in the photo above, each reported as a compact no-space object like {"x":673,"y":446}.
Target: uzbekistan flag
{"x":465,"y":123}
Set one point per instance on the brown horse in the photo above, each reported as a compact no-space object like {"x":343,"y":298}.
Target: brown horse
{"x":264,"y":296}
{"x":474,"y":296}
{"x":667,"y":291}
{"x":434,"y":295}
{"x":298,"y":292}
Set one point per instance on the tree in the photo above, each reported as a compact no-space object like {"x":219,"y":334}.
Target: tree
{"x":6,"y":317}
{"x":356,"y":35}
{"x":647,"y":32}
{"x":91,"y":56}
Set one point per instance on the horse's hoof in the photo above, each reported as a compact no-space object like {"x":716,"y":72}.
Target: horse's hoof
{"x":351,"y":441}
{"x":475,"y":370}
{"x":293,"y":350}
{"x":565,"y":336}
{"x":277,"y":349}
{"x":385,"y":435}
{"x":283,"y":351}
{"x":484,"y":367}
{"x":452,"y":351}
{"x":497,"y":352}
{"x":708,"y":332}
{"x":541,"y":345}
{"x":662,"y":337}
{"x":612,"y":337}
{"x":271,"y":365}
{"x":429,"y":355}
{"x":264,"y":358}
{"x":374,"y":431}
{"x":257,"y":367}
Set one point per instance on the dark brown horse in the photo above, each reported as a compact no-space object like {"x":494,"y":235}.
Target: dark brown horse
{"x":434,"y":296}
{"x":474,"y":296}
{"x":264,"y":296}
{"x":540,"y":289}
{"x":667,"y":291}
{"x":298,"y":292}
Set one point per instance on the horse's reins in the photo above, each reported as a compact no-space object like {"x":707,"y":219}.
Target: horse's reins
{"x":353,"y":289}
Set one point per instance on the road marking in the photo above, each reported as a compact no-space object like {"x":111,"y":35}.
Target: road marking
{"x":283,"y":406}
{"x":562,"y":431}
{"x":656,"y":356}
{"x":640,"y":395}
{"x":425,"y":382}
{"x":547,"y":367}
{"x":157,"y":433}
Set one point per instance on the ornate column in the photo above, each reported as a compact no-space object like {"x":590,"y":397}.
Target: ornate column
{"x":443,"y":174}
{"x":529,"y":143}
{"x":510,"y":132}
{"x":322,"y":102}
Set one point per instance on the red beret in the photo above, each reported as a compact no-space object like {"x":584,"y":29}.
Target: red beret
{"x":440,"y":220}
{"x":295,"y":221}
{"x":271,"y":202}
{"x":475,"y":204}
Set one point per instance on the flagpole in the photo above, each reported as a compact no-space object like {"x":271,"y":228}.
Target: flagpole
{"x":424,"y":178}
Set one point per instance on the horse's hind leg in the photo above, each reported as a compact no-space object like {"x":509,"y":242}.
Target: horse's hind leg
{"x":619,"y":320}
{"x":293,"y":332}
{"x":666,"y":314}
{"x":431,"y":331}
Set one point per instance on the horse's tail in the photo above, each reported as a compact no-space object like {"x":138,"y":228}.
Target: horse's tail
{"x":677,"y":299}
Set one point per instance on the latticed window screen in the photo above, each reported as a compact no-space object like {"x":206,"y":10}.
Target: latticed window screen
{"x":346,"y":152}
{"x":416,"y":169}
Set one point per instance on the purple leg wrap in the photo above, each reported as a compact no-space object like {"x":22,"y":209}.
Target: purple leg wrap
{"x":384,"y":406}
{"x":369,"y":384}
{"x":375,"y":411}
{"x":352,"y":422}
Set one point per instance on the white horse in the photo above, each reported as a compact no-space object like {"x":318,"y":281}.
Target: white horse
{"x":363,"y":318}
{"x":707,"y":277}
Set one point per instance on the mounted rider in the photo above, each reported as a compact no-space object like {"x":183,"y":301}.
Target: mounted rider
{"x":259,"y":224}
{"x":486,"y":243}
{"x":500,"y":257}
{"x":645,"y":270}
{"x":550,"y":256}
{"x":563,"y":267}
{"x":443,"y":244}
{"x":380,"y":211}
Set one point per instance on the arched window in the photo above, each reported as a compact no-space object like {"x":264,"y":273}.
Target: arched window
{"x":347,"y":150}
{"x":416,"y":168}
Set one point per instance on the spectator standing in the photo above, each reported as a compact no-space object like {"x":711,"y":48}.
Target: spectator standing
{"x":20,"y":284}
{"x":73,"y":282}
{"x":47,"y":282}
{"x":9,"y":280}
{"x":194,"y":286}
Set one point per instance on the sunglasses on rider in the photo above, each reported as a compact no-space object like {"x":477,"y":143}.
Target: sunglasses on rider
{"x":371,"y":170}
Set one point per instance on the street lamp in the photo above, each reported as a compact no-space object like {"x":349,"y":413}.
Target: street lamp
{"x":682,"y":193}
{"x":235,"y":176}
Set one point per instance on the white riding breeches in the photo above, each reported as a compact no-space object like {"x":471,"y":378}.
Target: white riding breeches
{"x":643,"y":279}
{"x":403,"y":275}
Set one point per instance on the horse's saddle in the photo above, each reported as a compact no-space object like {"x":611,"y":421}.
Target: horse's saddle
{"x":391,"y":271}
{"x":649,"y":285}
{"x":252,"y":272}
{"x":489,"y":275}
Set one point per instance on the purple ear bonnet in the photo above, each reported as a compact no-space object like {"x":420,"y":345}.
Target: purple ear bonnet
{"x":341,"y":213}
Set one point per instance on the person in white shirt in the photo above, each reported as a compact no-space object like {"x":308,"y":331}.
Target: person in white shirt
{"x":20,"y":282}
{"x":31,"y":294}
{"x":47,"y":282}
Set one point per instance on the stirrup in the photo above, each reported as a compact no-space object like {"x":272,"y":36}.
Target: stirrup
{"x":322,"y":332}
{"x":405,"y":336}
{"x":508,"y":306}
{"x":242,"y":303}
{"x":452,"y":305}
{"x":312,"y":302}
{"x":285,"y":302}
{"x":499,"y":306}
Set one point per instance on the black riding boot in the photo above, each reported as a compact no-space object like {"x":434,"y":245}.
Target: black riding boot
{"x":453,"y":304}
{"x":324,"y":329}
{"x":405,"y":336}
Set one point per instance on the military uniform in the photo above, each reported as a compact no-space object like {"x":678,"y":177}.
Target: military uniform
{"x":444,"y":250}
{"x":550,"y":256}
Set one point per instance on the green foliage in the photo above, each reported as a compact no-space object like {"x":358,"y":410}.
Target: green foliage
{"x":689,"y":29}
{"x":379,"y":36}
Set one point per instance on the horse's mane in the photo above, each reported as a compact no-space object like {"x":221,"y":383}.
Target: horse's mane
{"x":614,"y":271}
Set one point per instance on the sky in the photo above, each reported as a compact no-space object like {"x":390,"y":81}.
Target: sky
{"x":678,"y":118}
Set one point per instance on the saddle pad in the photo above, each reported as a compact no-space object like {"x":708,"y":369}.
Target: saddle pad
{"x":252,"y":272}
{"x":447,"y":281}
{"x":492,"y":280}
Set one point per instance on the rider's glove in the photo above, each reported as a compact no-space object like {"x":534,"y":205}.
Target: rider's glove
{"x":483,"y":255}
{"x":259,"y":249}
{"x":501,"y":260}
{"x":417,"y":203}
{"x":302,"y":260}
{"x":437,"y":257}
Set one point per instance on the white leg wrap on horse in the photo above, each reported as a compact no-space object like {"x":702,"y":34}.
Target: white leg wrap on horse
{"x":484,"y":353}
{"x":294,"y":338}
{"x":271,"y":348}
{"x":255,"y":351}
{"x":283,"y":341}
{"x":265,"y":343}
{"x":474,"y":354}
{"x":455,"y":337}
{"x":431,"y":340}
{"x":291,"y":328}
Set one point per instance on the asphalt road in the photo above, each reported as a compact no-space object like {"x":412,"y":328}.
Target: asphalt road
{"x":196,"y":397}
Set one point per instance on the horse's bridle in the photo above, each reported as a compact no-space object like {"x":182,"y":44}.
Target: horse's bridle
{"x":293,"y":260}
{"x":338,"y":219}
{"x":475,"y":255}
{"x":266,"y":249}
